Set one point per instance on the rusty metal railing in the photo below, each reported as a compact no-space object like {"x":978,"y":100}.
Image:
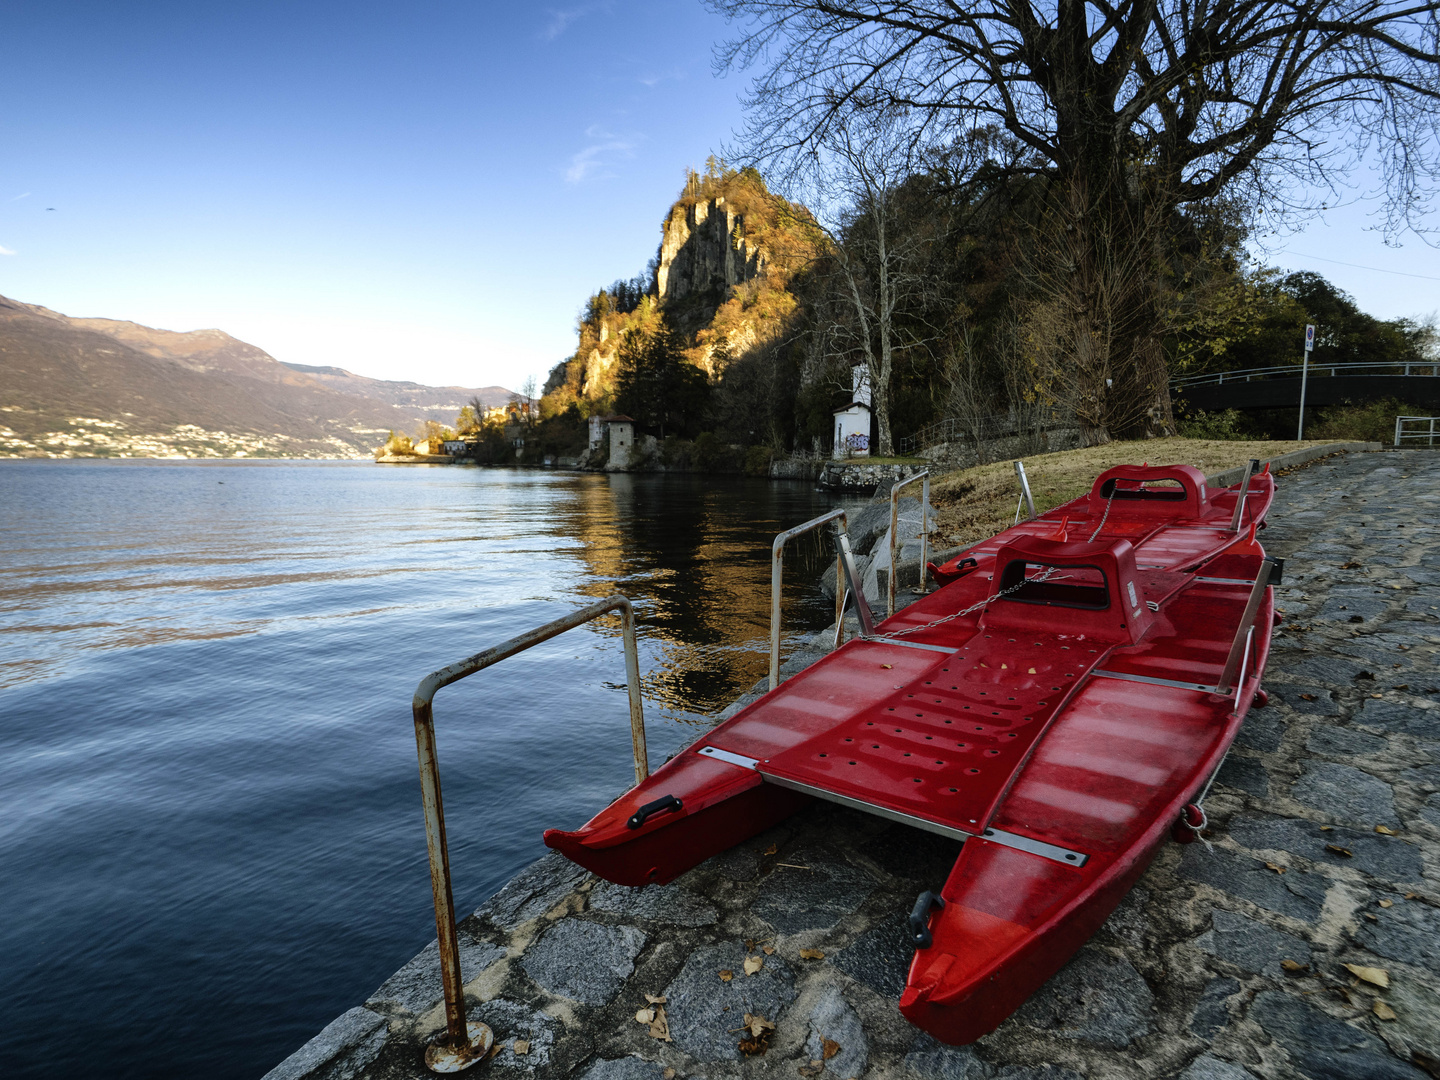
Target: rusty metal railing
{"x":466,"y":1043}
{"x":924,"y":477}
{"x":777,"y":563}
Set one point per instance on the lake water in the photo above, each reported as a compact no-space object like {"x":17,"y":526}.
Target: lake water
{"x":210,"y":832}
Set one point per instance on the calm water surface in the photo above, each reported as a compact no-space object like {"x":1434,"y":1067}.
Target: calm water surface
{"x":210,"y":830}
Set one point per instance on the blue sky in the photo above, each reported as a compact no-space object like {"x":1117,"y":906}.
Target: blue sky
{"x":425,"y":191}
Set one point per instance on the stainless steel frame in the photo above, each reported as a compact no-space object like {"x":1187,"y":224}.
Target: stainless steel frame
{"x":777,"y":564}
{"x":924,"y":477}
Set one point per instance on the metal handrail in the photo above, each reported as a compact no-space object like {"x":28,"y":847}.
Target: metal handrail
{"x":1400,"y":433}
{"x":777,"y":562}
{"x":1025,"y":496}
{"x":923,"y":475}
{"x":461,"y":1047}
{"x":1247,"y":374}
{"x":1239,"y":646}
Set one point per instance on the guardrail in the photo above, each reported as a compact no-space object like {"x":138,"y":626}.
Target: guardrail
{"x":1401,"y":433}
{"x":923,"y":476}
{"x":1249,"y":374}
{"x":777,"y":563}
{"x":466,"y":1043}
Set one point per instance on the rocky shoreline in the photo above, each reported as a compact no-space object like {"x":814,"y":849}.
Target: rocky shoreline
{"x":1227,"y":962}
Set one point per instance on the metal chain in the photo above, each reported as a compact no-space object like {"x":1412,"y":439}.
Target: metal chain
{"x":1049,"y":572}
{"x":1114,"y":488}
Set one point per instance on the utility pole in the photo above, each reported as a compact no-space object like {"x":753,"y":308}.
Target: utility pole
{"x":1304,"y":376}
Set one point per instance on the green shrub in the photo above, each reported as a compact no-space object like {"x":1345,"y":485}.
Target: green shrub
{"x":757,"y":461}
{"x":1224,"y":425}
{"x":1373,"y":421}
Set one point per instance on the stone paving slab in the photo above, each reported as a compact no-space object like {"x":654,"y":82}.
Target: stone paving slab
{"x":1226,"y":962}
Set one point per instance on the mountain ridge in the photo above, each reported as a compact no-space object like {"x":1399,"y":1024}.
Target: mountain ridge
{"x":95,"y":387}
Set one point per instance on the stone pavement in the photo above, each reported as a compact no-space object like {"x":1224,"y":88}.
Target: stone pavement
{"x":1226,"y":963}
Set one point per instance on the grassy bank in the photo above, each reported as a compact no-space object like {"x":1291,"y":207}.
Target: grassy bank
{"x":971,"y":504}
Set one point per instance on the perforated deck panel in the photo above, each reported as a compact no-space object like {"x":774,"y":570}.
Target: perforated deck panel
{"x":946,"y":746}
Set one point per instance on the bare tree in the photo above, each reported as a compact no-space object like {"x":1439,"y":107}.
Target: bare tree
{"x":852,"y":179}
{"x":1128,"y":109}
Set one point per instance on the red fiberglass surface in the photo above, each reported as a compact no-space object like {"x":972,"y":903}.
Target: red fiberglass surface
{"x":1060,"y":728}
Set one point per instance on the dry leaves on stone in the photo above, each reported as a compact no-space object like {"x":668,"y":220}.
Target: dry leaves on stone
{"x":829,"y":1048}
{"x":771,"y":850}
{"x":1273,"y":866}
{"x":1383,"y":1011}
{"x":757,"y":1035}
{"x":1293,"y":965}
{"x":669,"y":1073}
{"x":654,"y":1016}
{"x":753,"y":964}
{"x":811,"y":954}
{"x":521,"y":1047}
{"x":768,"y":950}
{"x":1372,"y":975}
{"x":726,"y":974}
{"x":1386,"y":903}
{"x":1385,"y":830}
{"x":1338,"y":850}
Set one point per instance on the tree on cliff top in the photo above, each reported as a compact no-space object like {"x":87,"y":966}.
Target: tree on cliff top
{"x":1126,"y":110}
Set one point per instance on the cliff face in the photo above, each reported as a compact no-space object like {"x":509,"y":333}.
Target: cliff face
{"x":704,"y":247}
{"x":728,"y":251}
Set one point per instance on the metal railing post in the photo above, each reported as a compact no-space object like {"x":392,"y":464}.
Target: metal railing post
{"x":1397,"y":431}
{"x":1025,"y":488}
{"x":1247,"y":622}
{"x":1244,"y":492}
{"x":467,"y":1042}
{"x":924,"y":533}
{"x":777,"y":564}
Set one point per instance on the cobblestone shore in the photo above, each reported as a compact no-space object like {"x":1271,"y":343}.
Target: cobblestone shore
{"x":1227,"y":961}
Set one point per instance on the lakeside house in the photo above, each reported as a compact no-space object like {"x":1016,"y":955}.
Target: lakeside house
{"x":852,"y":421}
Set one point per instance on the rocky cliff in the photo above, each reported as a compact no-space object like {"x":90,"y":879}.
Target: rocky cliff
{"x":729,"y":250}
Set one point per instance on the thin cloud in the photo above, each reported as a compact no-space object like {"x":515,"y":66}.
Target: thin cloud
{"x":5,"y":251}
{"x":561,"y":18}
{"x":17,"y":198}
{"x":594,"y":161}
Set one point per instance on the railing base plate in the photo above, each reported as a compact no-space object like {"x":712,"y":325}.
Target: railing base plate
{"x":441,"y":1057}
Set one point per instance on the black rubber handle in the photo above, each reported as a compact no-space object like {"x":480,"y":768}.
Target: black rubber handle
{"x":659,"y":806}
{"x":1277,"y":570}
{"x":920,"y":918}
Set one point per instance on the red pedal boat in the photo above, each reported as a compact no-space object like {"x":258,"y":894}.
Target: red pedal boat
{"x":1059,"y":706}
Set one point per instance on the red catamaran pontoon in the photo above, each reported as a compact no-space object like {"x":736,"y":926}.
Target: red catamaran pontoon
{"x":1058,"y":704}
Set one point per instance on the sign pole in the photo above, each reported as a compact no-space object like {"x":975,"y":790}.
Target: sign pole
{"x":1304,"y":377}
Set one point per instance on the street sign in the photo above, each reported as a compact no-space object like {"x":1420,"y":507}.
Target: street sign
{"x":1309,"y":338}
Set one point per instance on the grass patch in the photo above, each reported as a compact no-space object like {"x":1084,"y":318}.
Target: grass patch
{"x":972,"y":504}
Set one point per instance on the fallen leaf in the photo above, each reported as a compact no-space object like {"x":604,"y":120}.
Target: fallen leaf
{"x":1387,"y":903}
{"x":1383,"y":829}
{"x":758,"y":1025}
{"x":495,"y":1048}
{"x":887,"y":667}
{"x":669,"y":1073}
{"x":813,"y":1069}
{"x":1293,"y":965}
{"x":753,"y":964}
{"x":1383,"y":1011}
{"x":645,"y":1016}
{"x":521,"y":1047}
{"x":1307,"y":697}
{"x":1326,"y":828}
{"x":1412,"y":896}
{"x":1340,"y":850}
{"x":771,"y":850}
{"x":726,"y":974}
{"x":768,"y":950}
{"x":653,"y":1000}
{"x":1351,"y":566}
{"x":829,"y":1048}
{"x":811,"y":954}
{"x":1402,"y":686}
{"x":660,"y":1026}
{"x":1277,"y":869}
{"x":1372,"y":917}
{"x":1372,"y":975}
{"x":1381,"y":696}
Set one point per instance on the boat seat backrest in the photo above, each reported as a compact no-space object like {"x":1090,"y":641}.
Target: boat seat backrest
{"x":1068,"y":587}
{"x":1150,"y":491}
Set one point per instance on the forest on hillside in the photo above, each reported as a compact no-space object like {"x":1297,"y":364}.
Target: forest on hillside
{"x":1018,"y":217}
